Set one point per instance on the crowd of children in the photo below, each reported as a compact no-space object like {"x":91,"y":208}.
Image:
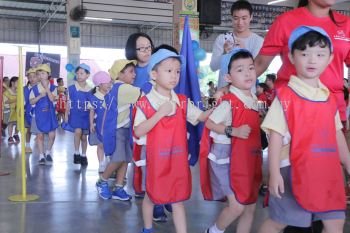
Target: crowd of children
{"x":128,"y":123}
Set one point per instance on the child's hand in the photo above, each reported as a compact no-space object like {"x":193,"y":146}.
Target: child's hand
{"x":276,"y":185}
{"x":92,"y":128}
{"x":166,"y":108}
{"x":242,"y":132}
{"x":228,"y":45}
{"x":43,"y":94}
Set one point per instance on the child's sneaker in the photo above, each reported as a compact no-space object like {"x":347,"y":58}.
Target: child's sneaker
{"x":103,"y":190}
{"x":42,"y":161}
{"x":10,"y":140}
{"x":16,"y":138}
{"x":168,"y":207}
{"x":48,"y":159}
{"x":120,"y":194}
{"x":140,"y":195}
{"x":158,"y":214}
{"x":83,"y":161}
{"x":76,"y":159}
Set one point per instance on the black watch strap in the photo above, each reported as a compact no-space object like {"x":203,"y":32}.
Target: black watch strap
{"x":228,"y":131}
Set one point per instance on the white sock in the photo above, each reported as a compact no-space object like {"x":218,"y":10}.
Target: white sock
{"x":77,"y":152}
{"x":41,"y":156}
{"x":48,"y":152}
{"x":83,"y":155}
{"x":214,"y":229}
{"x":27,"y":144}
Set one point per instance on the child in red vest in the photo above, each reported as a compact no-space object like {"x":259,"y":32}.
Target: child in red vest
{"x":231,"y":165}
{"x":160,"y":121}
{"x":306,"y":142}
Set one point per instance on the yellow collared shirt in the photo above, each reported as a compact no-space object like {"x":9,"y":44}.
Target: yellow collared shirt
{"x":276,"y":121}
{"x":157,"y":100}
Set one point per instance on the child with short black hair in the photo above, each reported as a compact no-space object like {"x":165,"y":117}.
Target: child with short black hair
{"x":116,"y":128}
{"x":231,"y":164}
{"x":77,"y":113}
{"x":306,"y":142}
{"x":163,"y":112}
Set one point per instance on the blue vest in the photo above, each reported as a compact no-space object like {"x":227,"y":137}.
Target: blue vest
{"x":79,"y":113}
{"x":109,"y":136}
{"x":97,"y":104}
{"x":27,"y":106}
{"x":146,"y":87}
{"x":45,"y":115}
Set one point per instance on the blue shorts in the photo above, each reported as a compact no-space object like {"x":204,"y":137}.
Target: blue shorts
{"x":288,"y":212}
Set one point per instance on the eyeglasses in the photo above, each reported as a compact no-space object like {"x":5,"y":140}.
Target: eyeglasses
{"x":145,"y":49}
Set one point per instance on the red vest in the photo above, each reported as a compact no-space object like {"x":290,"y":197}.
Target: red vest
{"x":245,"y":160}
{"x":168,"y":177}
{"x":316,"y":174}
{"x":61,"y":103}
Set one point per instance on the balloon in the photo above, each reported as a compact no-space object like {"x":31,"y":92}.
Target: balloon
{"x":200,"y":54}
{"x":69,"y":67}
{"x":195,"y":44}
{"x":70,"y":75}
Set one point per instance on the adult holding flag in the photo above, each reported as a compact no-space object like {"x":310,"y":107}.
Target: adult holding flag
{"x":189,"y":86}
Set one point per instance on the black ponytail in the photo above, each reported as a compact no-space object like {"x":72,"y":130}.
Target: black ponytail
{"x":304,"y":3}
{"x":93,"y":91}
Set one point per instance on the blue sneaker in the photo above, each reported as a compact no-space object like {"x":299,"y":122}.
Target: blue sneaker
{"x":120,"y":194}
{"x":168,"y":208}
{"x":147,"y":230}
{"x":103,"y":190}
{"x":159,"y":214}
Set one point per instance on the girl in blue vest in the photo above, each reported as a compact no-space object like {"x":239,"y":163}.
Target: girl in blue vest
{"x":44,"y":121}
{"x":103,"y":84}
{"x":77,"y":112}
{"x":116,"y":129}
{"x":32,"y":81}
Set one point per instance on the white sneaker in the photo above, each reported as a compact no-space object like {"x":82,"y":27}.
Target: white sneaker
{"x":101,"y":167}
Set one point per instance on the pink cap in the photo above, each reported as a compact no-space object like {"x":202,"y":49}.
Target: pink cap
{"x":101,"y":77}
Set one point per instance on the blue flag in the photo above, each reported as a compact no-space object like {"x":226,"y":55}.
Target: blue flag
{"x":189,"y":86}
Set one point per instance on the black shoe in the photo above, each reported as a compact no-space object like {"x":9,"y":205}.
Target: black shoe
{"x":16,"y":137}
{"x":42,"y":161}
{"x":48,"y":159}
{"x":83,"y":161}
{"x":77,"y":159}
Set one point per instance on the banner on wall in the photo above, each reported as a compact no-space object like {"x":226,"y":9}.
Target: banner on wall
{"x":33,"y":59}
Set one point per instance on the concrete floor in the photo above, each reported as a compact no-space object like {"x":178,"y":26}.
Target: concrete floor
{"x":69,"y":202}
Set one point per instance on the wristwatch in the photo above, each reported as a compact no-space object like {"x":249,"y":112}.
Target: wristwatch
{"x":228,"y":131}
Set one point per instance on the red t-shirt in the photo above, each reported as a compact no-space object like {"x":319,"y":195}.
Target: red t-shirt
{"x":276,"y":43}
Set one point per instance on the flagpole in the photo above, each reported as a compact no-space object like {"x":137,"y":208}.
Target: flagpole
{"x":20,"y":123}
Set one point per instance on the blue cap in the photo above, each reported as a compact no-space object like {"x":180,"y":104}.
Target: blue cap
{"x":227,"y":57}
{"x":83,"y":66}
{"x":299,"y":31}
{"x":161,"y":55}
